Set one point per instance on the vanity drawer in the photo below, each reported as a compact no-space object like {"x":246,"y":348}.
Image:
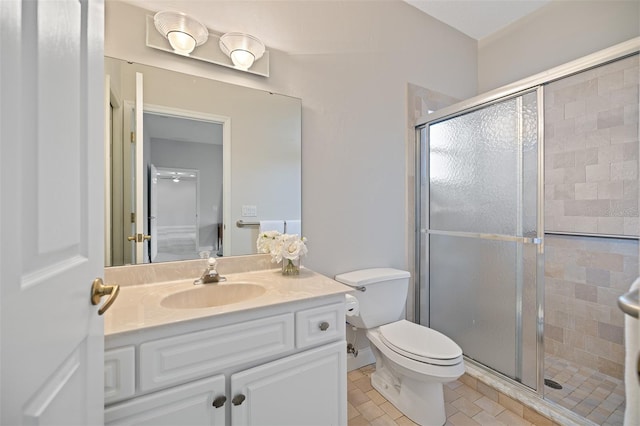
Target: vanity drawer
{"x":119,"y":374}
{"x":320,"y":325}
{"x":177,"y":359}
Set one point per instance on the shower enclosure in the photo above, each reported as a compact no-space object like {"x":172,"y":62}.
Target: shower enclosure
{"x":481,"y":233}
{"x":527,"y":229}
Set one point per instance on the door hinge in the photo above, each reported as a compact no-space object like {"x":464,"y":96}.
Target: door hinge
{"x":133,"y":218}
{"x":133,"y":137}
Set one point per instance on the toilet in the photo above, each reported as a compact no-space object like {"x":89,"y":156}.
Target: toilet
{"x":412,"y":361}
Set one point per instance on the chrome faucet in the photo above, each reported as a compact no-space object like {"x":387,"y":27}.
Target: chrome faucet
{"x":210,"y":275}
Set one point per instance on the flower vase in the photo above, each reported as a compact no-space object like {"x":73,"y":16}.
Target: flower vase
{"x":291,"y":266}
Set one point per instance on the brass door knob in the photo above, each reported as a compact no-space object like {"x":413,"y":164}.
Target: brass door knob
{"x":139,"y":238}
{"x":98,"y":289}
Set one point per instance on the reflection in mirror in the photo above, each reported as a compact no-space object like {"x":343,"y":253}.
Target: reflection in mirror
{"x":207,"y":155}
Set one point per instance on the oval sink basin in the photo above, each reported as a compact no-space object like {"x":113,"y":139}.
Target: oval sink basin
{"x":210,"y":295}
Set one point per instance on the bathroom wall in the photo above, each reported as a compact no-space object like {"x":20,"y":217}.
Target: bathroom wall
{"x":558,"y":32}
{"x":350,"y":62}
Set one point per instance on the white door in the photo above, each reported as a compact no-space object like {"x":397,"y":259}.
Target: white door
{"x":133,"y":164}
{"x":51,"y":211}
{"x":153,"y":211}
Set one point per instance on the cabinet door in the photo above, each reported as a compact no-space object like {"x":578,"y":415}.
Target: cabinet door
{"x":190,"y":404}
{"x":308,"y":388}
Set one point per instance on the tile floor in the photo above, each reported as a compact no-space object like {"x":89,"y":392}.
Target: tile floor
{"x":463,"y":404}
{"x":596,"y":396}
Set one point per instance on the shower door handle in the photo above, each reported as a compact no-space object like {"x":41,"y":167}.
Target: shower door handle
{"x":629,"y":303}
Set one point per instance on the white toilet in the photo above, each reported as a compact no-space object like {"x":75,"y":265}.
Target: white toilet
{"x":412,"y":361}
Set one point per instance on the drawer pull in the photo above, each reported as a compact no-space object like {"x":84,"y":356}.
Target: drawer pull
{"x":219,"y":401}
{"x":238,"y":399}
{"x":324,"y":326}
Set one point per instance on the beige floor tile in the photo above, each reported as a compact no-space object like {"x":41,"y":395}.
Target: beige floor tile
{"x":449,"y":409}
{"x":357,"y":397}
{"x":355,"y":375}
{"x":375,"y":396}
{"x":359,"y":421}
{"x":384,"y":420}
{"x":405,"y":421}
{"x":468,"y":393}
{"x":364,"y":384}
{"x":391,"y":410}
{"x":453,"y":385}
{"x":450,"y":395}
{"x":466,"y":406}
{"x":352,"y":411}
{"x":461,"y":419}
{"x":369,"y":410}
{"x":512,"y":419}
{"x":490,"y":406}
{"x":487,"y":419}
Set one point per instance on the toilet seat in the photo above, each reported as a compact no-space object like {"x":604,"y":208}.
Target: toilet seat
{"x":420,"y":343}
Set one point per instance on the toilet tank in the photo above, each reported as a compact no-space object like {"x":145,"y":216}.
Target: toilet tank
{"x":383,"y":299}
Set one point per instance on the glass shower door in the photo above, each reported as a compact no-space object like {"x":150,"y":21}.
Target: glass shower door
{"x":481,"y":233}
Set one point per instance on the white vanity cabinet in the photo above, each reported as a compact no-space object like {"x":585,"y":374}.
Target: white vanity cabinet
{"x":282,"y":365}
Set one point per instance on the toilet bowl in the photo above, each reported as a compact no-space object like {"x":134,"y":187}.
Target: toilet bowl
{"x":412,"y":361}
{"x":413,"y":382}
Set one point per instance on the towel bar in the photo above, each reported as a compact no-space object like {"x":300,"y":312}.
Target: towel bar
{"x":629,"y":303}
{"x":241,"y":224}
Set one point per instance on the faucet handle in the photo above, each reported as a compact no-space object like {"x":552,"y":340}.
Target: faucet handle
{"x":212,"y":262}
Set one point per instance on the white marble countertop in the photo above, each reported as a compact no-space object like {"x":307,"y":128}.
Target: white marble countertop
{"x":139,"y":306}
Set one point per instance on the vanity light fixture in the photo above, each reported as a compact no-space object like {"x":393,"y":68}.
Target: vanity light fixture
{"x":243,"y":49}
{"x":183,"y":32}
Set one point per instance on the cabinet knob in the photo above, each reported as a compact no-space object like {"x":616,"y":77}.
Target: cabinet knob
{"x":219,"y":401}
{"x":238,"y":399}
{"x":324,"y":325}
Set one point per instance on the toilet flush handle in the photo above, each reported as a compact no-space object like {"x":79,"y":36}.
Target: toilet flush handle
{"x":361,"y":288}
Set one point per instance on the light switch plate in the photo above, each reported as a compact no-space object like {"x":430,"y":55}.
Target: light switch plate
{"x":249,"y":211}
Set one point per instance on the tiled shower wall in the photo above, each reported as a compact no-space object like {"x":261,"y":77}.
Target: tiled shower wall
{"x":591,"y":187}
{"x":591,"y":151}
{"x":584,"y":276}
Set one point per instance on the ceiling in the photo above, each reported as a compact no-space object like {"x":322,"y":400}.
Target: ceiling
{"x":478,"y":18}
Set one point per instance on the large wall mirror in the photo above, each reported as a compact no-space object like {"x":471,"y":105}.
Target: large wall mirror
{"x":189,"y":157}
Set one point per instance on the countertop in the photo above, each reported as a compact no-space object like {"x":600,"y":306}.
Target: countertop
{"x":139,"y":306}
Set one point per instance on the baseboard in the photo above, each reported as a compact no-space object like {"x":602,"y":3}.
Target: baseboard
{"x":365,"y":357}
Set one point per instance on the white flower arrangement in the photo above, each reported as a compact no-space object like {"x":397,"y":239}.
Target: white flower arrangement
{"x":281,"y":246}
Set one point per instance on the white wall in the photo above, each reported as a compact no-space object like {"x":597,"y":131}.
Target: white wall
{"x":555,"y":34}
{"x":350,"y":62}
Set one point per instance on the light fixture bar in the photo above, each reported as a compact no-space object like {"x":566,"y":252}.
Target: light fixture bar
{"x":209,"y":52}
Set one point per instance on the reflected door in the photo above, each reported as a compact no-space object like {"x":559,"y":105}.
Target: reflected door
{"x":481,"y":233}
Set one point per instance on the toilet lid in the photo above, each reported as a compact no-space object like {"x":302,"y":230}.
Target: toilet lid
{"x":420,"y":343}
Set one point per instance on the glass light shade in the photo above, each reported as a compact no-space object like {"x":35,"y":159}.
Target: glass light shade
{"x":242,"y":59}
{"x":181,"y":42}
{"x":243,"y":49}
{"x":183,"y":32}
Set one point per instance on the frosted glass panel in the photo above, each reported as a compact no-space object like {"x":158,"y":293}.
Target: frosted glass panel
{"x":475,"y":166}
{"x":473,"y":297}
{"x":479,"y":180}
